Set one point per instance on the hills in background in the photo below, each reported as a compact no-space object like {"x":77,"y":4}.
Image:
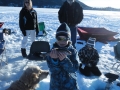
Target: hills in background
{"x":50,"y":4}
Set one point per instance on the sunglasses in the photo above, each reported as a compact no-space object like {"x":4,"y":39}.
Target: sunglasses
{"x":62,"y":38}
{"x":90,"y":46}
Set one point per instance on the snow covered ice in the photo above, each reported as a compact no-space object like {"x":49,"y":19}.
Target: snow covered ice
{"x":16,"y":64}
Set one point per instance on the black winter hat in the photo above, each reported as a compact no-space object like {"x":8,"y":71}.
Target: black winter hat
{"x":63,"y":30}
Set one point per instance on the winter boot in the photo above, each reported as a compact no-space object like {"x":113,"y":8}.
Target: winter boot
{"x":23,"y":51}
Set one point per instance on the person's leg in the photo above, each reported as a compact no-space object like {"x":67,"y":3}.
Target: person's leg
{"x":32,"y":35}
{"x":95,"y":71}
{"x":73,"y":35}
{"x":24,"y":41}
{"x":85,"y":71}
{"x":23,"y":44}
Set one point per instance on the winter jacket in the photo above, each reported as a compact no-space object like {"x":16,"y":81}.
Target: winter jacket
{"x":71,"y":14}
{"x":28,"y":20}
{"x":87,"y":56}
{"x":63,"y":76}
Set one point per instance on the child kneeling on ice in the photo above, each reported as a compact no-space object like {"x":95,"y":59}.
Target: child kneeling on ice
{"x":89,"y":58}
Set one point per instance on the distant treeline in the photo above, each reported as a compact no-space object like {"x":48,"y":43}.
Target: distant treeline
{"x":50,"y":4}
{"x":37,"y":3}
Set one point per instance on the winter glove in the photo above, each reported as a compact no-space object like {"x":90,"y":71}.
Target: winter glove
{"x":24,"y":33}
{"x":82,"y":66}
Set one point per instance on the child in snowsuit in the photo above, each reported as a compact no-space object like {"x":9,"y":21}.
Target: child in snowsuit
{"x":89,"y":58}
{"x":63,"y":66}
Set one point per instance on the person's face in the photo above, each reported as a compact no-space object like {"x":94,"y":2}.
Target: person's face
{"x":89,"y":47}
{"x":28,"y":3}
{"x":70,"y":1}
{"x":62,"y":41}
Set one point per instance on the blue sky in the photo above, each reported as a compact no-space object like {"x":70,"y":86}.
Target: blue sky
{"x":102,"y":3}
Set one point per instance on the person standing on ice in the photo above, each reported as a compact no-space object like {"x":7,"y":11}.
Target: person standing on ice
{"x":28,"y":24}
{"x":71,"y":13}
{"x":63,"y":66}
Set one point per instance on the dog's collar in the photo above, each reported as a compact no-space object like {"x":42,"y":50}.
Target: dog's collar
{"x":25,"y":84}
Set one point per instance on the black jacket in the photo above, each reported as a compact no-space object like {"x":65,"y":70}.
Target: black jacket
{"x":28,"y":20}
{"x":72,"y":15}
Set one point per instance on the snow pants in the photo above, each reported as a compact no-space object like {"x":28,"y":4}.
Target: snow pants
{"x":32,"y":34}
{"x":87,"y":71}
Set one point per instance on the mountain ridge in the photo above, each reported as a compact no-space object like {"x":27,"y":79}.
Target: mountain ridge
{"x":51,"y":4}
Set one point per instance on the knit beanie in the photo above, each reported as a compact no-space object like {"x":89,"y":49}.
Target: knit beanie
{"x":91,"y":42}
{"x":63,"y":30}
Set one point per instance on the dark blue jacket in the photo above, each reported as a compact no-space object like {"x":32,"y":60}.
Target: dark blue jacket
{"x":63,"y":76}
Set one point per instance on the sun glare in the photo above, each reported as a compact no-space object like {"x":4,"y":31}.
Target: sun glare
{"x":102,"y":3}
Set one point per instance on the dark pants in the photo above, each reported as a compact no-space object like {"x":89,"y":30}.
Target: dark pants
{"x":73,"y":35}
{"x":87,"y":71}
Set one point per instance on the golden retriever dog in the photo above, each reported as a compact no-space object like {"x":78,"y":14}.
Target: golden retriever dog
{"x":29,"y":80}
